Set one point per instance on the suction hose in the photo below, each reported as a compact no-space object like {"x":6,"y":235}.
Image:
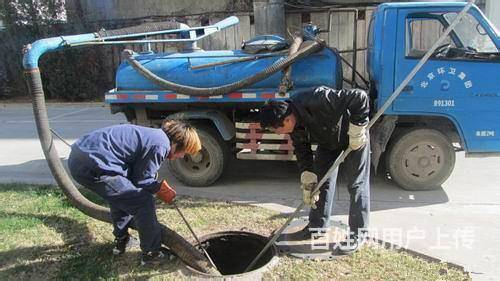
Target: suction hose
{"x":182,"y":248}
{"x":224,"y":89}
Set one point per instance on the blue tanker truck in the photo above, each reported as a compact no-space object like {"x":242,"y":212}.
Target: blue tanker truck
{"x":451,"y":104}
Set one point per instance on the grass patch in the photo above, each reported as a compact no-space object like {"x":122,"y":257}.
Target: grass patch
{"x":42,"y":236}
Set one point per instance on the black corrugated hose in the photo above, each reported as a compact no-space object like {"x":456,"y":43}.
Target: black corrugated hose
{"x":182,"y":248}
{"x":178,"y":245}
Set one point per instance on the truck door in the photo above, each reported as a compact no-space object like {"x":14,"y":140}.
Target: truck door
{"x":461,"y":79}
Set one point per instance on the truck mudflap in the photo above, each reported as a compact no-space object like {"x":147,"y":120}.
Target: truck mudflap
{"x":380,"y":134}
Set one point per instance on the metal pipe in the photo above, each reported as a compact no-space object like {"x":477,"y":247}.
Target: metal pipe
{"x":243,"y":59}
{"x":159,"y":28}
{"x":194,"y":234}
{"x":350,"y":51}
{"x":100,"y":42}
{"x":367,"y":84}
{"x":355,"y":46}
{"x":381,"y":111}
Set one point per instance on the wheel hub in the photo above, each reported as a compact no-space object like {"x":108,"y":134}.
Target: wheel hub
{"x":197,"y":158}
{"x":423,"y":160}
{"x":197,"y":163}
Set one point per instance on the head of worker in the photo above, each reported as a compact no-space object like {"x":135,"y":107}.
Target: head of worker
{"x":277,"y":116}
{"x":183,"y":139}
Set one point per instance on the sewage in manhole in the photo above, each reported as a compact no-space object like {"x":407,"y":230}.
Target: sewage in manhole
{"x":233,"y":251}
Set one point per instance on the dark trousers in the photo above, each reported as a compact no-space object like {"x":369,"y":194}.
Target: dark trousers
{"x":356,"y":169}
{"x":128,"y":204}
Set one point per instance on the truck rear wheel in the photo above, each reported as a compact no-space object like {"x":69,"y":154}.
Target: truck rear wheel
{"x":420,"y":159}
{"x":205,"y":167}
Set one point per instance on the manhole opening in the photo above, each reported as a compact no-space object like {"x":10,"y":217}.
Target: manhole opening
{"x":232,"y":252}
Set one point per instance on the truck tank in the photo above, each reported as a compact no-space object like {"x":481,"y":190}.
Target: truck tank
{"x":208,"y":69}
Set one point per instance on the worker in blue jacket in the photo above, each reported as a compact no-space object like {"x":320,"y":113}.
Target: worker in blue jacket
{"x":120,"y":164}
{"x":335,"y":119}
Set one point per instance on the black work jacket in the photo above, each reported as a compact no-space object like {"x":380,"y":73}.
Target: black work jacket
{"x":322,"y":116}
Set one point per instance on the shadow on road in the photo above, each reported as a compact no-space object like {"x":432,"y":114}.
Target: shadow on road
{"x":258,"y":182}
{"x":275,"y":182}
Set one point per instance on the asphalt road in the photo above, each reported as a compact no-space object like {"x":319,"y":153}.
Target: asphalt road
{"x":457,"y":223}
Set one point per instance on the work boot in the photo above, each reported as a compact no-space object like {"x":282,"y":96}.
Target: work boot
{"x":156,"y":258}
{"x":124,"y":242}
{"x":305,"y":234}
{"x":352,"y":244}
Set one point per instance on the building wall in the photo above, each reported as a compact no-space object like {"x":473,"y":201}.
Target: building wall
{"x":105,"y":10}
{"x":493,"y":12}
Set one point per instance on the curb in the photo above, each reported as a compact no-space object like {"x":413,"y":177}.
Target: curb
{"x":399,"y":249}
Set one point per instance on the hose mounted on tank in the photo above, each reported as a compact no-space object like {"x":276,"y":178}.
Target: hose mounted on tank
{"x":310,"y":48}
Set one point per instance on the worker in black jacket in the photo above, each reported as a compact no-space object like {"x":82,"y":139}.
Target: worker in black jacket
{"x":335,"y":119}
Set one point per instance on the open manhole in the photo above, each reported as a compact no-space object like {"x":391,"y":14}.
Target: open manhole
{"x":233,"y":251}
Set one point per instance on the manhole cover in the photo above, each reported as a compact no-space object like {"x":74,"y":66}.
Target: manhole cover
{"x":324,"y":246}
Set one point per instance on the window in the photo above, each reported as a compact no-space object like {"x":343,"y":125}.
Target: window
{"x":468,"y":40}
{"x":472,"y":34}
{"x":423,"y":33}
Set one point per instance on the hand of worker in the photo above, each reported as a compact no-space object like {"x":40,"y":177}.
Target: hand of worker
{"x":309,"y":181}
{"x":357,"y":136}
{"x":166,"y":193}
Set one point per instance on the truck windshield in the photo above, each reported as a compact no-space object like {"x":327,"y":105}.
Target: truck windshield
{"x":472,"y":34}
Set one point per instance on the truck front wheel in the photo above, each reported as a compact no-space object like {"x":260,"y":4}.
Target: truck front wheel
{"x":420,"y":159}
{"x":205,"y":167}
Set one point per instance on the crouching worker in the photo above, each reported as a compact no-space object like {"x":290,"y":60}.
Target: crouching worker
{"x":120,"y":164}
{"x":335,"y":119}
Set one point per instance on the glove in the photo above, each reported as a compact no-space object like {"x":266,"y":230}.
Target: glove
{"x":309,"y":181}
{"x":357,"y":136}
{"x":166,"y":193}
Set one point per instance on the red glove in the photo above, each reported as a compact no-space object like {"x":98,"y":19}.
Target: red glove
{"x":166,"y":193}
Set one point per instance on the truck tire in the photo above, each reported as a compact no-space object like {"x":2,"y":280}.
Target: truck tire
{"x":420,"y":159}
{"x":204,"y":168}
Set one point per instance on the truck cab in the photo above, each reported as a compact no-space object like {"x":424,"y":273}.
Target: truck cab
{"x":453,"y":102}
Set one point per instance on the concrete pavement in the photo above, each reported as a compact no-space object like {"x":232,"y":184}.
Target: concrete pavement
{"x":457,"y":223}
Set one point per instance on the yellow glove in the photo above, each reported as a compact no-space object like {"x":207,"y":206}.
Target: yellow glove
{"x":357,"y":136}
{"x":309,"y":181}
